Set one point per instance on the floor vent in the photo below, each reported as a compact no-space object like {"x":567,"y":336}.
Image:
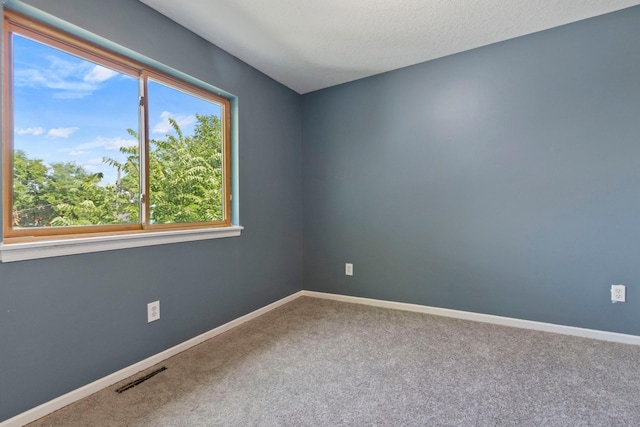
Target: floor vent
{"x":134,"y":383}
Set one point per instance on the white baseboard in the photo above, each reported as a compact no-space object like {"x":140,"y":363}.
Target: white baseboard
{"x":485,"y":318}
{"x":82,"y":392}
{"x":87,"y":390}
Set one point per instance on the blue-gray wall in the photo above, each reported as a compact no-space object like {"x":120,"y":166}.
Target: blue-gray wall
{"x":502,"y":180}
{"x":67,"y":321}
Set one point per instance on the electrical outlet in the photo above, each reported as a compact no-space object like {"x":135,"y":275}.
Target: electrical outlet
{"x":348,"y":269}
{"x":153,"y":311}
{"x":618,"y":293}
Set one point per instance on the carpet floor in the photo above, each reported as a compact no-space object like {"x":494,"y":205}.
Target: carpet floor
{"x":316,"y":362}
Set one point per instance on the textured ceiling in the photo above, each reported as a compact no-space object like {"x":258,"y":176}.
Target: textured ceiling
{"x":310,"y":44}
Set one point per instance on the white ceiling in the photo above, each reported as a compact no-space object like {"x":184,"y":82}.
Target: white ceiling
{"x":312,"y":44}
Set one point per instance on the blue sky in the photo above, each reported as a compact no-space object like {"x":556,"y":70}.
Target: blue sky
{"x":69,"y":109}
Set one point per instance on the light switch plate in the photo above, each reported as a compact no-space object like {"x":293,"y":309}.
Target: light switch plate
{"x":348,"y":269}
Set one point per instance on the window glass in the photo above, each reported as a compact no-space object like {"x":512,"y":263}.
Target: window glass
{"x":74,"y":134}
{"x":185,"y":157}
{"x":100,"y":143}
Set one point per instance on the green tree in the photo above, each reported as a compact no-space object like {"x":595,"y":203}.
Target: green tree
{"x":76,"y":196}
{"x":185,"y":184}
{"x":29,"y":207}
{"x":126,"y":189}
{"x":61,"y":194}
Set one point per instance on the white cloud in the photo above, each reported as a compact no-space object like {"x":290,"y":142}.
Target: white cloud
{"x":51,"y":80}
{"x":73,"y":79}
{"x":117,"y":143}
{"x":96,"y":143}
{"x":90,"y":168}
{"x":164,"y":126}
{"x":30,"y":131}
{"x":99,"y":74}
{"x":61,"y":132}
{"x":78,"y":153}
{"x":95,"y":161}
{"x":71,"y":94}
{"x":110,"y":144}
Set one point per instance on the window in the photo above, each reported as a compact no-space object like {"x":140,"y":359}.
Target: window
{"x":97,"y":144}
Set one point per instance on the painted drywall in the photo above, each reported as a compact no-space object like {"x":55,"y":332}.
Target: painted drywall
{"x":502,"y":180}
{"x":67,"y":321}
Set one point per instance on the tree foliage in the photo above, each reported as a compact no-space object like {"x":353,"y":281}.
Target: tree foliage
{"x":185,"y":184}
{"x":186,"y":174}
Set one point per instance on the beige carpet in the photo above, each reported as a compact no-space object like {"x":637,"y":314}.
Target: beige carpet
{"x":324,"y":363}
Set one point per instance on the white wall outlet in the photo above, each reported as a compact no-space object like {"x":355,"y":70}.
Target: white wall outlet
{"x":618,"y":293}
{"x":348,"y":269}
{"x":153,"y":311}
